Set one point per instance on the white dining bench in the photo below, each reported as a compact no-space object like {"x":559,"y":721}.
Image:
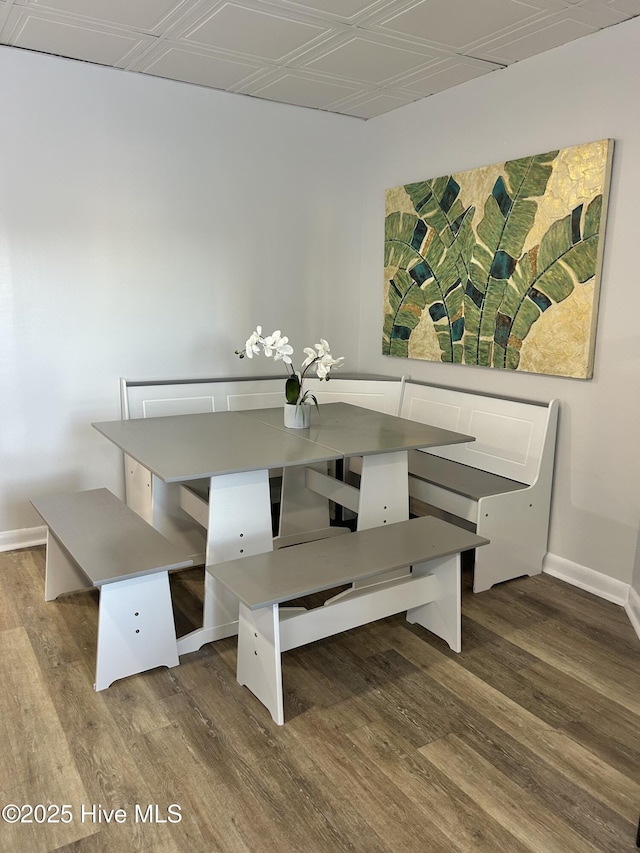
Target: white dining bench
{"x":501,"y":483}
{"x":427,"y":549}
{"x":95,"y":541}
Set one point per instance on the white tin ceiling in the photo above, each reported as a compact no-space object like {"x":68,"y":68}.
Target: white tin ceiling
{"x":357,"y":57}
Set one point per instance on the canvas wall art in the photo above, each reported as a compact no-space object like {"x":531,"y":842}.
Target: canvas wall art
{"x":500,"y":266}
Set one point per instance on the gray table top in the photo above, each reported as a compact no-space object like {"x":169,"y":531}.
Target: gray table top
{"x":355,"y":431}
{"x":188,"y":447}
{"x":179,"y":448}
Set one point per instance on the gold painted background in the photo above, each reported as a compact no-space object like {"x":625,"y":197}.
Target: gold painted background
{"x":499,"y":266}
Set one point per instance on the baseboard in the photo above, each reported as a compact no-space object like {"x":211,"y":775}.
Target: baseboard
{"x":12,"y":540}
{"x":587,"y":579}
{"x":633,"y":609}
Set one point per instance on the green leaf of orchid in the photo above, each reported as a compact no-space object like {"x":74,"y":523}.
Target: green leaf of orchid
{"x":292,"y":389}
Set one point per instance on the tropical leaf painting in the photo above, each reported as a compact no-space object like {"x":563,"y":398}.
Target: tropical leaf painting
{"x":499,"y":266}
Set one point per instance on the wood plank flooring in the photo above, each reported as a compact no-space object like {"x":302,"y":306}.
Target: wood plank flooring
{"x":526,"y":742}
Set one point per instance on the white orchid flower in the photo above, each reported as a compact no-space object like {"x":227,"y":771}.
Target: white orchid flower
{"x":325,"y":363}
{"x":322,"y":349}
{"x":269,"y":343}
{"x":311,"y":357}
{"x":277,"y":345}
{"x":284,"y":353}
{"x":251,"y":347}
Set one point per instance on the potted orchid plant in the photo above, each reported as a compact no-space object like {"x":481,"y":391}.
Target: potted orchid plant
{"x":318,"y":358}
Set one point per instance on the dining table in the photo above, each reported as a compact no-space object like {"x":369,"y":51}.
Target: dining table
{"x":234,"y":451}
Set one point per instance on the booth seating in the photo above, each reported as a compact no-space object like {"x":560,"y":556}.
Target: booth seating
{"x":501,"y":483}
{"x":429,"y":591}
{"x":94,"y":540}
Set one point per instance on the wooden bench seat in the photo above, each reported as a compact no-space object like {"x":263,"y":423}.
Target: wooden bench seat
{"x":95,"y":540}
{"x":424,"y":553}
{"x":469,"y":482}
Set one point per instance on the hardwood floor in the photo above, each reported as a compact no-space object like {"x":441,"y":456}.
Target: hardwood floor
{"x":529,"y":740}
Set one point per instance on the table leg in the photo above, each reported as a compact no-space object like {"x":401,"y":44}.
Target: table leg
{"x":158,"y":503}
{"x":239,"y":526}
{"x":384,"y":490}
{"x":301,"y":510}
{"x":139,"y":488}
{"x":384,"y":497}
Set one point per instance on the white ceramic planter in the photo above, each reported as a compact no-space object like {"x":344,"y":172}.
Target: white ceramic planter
{"x":297,"y":417}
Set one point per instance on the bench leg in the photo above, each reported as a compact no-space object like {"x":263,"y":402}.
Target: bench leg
{"x":516,"y":525}
{"x":136,"y":631}
{"x":384,"y":498}
{"x":62,"y":574}
{"x":260,"y":658}
{"x":442,"y":615}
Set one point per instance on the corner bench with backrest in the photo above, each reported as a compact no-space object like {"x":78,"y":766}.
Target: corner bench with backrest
{"x":429,"y":590}
{"x":500,"y":484}
{"x":95,"y":541}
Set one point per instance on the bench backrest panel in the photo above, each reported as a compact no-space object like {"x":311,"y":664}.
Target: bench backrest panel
{"x":379,"y":395}
{"x":510,"y":434}
{"x":156,"y":398}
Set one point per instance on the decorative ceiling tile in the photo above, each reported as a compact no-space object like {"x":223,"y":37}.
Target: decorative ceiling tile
{"x":628,"y":8}
{"x":376,"y":105}
{"x":70,"y":39}
{"x":303,"y":91}
{"x":354,"y":57}
{"x":204,"y":69}
{"x":343,"y":8}
{"x":372,"y":62}
{"x":141,"y":14}
{"x":445,"y":76}
{"x":252,"y":32}
{"x":545,"y":38}
{"x":458,"y":22}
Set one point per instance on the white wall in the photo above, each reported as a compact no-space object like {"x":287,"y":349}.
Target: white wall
{"x":584,"y":91}
{"x":145,"y":228}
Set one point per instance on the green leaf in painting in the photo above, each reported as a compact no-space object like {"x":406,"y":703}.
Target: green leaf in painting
{"x":527,"y":177}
